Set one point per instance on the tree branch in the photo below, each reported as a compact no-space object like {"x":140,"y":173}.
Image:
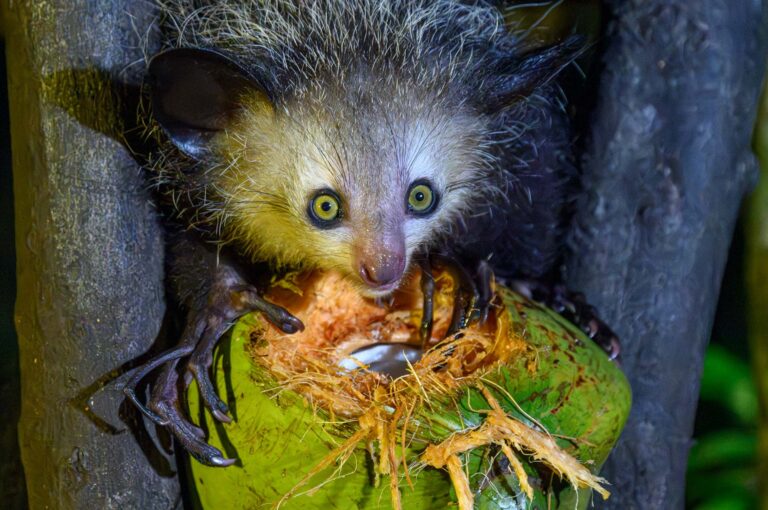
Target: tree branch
{"x":666,"y":167}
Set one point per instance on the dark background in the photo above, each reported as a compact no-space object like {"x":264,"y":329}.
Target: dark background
{"x":12,"y":491}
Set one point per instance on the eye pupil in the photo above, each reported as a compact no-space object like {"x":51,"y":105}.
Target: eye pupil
{"x":421,"y":199}
{"x":325,"y":209}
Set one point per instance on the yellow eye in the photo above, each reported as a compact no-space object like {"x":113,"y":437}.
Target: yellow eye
{"x":421,"y":198}
{"x":325,"y":209}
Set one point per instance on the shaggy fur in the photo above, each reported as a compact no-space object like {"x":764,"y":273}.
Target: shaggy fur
{"x":364,"y":97}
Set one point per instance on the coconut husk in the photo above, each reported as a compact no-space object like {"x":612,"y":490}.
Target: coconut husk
{"x":455,"y":410}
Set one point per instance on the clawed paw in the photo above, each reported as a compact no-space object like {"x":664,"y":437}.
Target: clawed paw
{"x":202,"y":333}
{"x":472,"y":294}
{"x":574,"y":307}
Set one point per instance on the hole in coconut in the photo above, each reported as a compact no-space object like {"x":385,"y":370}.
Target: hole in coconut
{"x":349,"y":332}
{"x":356,"y":351}
{"x":389,"y":359}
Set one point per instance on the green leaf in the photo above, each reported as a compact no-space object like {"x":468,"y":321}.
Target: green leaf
{"x":727,"y":380}
{"x":722,"y":449}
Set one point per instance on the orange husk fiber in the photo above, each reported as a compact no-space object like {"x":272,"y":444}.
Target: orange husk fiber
{"x":379,"y":411}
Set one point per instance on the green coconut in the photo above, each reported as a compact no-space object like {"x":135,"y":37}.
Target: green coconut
{"x":517,"y":413}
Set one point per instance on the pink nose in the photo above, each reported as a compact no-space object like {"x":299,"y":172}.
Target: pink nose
{"x":382,"y":269}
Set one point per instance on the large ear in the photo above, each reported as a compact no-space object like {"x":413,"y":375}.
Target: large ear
{"x":195,"y":94}
{"x":519,"y":76}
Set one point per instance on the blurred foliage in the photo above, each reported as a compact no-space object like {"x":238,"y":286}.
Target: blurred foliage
{"x":757,"y":288}
{"x":727,"y":381}
{"x":722,"y":463}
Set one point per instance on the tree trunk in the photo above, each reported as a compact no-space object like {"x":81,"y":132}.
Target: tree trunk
{"x":667,"y":165}
{"x":89,"y":251}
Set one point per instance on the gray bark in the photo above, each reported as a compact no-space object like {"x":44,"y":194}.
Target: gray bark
{"x":89,"y":251}
{"x":666,"y":167}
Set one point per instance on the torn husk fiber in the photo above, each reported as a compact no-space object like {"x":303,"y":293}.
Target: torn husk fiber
{"x":522,"y":410}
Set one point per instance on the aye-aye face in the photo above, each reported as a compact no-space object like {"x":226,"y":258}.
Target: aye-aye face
{"x":354,"y":182}
{"x":356,"y":168}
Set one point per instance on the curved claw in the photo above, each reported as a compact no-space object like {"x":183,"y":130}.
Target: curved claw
{"x":141,"y":372}
{"x":472,"y":296}
{"x":211,"y":400}
{"x":157,"y":419}
{"x":613,"y":349}
{"x":465,"y":299}
{"x":190,"y":437}
{"x":428,"y":292}
{"x":599,"y":332}
{"x":281,"y":318}
{"x":484,"y":278}
{"x":199,"y":365}
{"x":275,"y":314}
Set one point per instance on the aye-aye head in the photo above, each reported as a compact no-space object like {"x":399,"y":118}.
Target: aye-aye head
{"x":351,"y":155}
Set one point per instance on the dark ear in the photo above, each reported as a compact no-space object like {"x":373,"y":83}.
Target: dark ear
{"x":195,"y":94}
{"x":519,"y":76}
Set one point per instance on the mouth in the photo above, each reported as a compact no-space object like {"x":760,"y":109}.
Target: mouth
{"x":380,"y":291}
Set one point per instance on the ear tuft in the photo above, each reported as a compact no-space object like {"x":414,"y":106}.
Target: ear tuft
{"x":519,"y":76}
{"x":195,"y":94}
